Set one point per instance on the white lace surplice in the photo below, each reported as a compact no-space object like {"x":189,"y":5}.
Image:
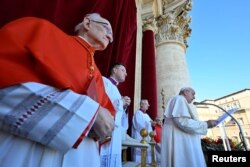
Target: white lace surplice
{"x":40,"y":124}
{"x":141,"y":120}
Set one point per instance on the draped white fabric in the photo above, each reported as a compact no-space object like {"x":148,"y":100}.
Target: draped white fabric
{"x":40,"y":124}
{"x":111,"y":152}
{"x":141,"y":120}
{"x":181,"y":143}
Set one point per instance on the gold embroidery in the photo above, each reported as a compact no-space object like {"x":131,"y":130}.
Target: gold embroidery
{"x":90,"y":58}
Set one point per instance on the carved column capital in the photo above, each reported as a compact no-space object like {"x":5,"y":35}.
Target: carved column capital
{"x":149,"y":24}
{"x":173,"y":25}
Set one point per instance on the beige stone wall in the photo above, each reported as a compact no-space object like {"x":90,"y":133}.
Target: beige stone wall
{"x":240,"y":99}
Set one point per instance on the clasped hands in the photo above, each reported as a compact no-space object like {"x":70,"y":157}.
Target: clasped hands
{"x":126,"y":101}
{"x":103,"y":126}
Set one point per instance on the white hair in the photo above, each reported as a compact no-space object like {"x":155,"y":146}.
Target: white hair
{"x":78,"y":27}
{"x":182,"y":90}
{"x":91,"y":16}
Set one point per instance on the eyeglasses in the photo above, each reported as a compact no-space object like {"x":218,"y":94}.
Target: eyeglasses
{"x":100,"y":22}
{"x":105,"y":25}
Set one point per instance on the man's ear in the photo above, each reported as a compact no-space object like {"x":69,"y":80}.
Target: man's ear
{"x":115,"y":70}
{"x":86,"y":23}
{"x":185,"y":92}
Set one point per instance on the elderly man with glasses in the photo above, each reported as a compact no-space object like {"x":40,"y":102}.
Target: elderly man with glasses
{"x":53,"y":103}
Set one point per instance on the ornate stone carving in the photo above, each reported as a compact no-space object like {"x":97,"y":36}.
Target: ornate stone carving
{"x":149,"y":24}
{"x":163,"y":100}
{"x":173,"y":25}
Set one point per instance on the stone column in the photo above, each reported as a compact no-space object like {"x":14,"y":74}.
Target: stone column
{"x":137,"y":89}
{"x":172,"y":70}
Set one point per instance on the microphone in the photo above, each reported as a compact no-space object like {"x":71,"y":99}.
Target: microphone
{"x":196,"y":103}
{"x":201,"y":103}
{"x":241,"y":134}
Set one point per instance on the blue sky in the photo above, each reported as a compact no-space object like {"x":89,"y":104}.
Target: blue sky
{"x":218,"y":55}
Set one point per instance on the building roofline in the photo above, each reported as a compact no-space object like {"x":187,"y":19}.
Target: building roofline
{"x":232,"y":94}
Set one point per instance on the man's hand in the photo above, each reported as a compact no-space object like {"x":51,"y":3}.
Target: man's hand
{"x":153,"y":123}
{"x":126,"y":101}
{"x":211,"y":123}
{"x":104,"y":123}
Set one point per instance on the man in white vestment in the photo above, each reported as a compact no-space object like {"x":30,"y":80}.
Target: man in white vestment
{"x":111,"y":151}
{"x":141,"y":120}
{"x":181,"y":142}
{"x":52,"y":94}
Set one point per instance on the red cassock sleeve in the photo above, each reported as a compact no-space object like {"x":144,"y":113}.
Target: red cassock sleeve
{"x":35,"y":50}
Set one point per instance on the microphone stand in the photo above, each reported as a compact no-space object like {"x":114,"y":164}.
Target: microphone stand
{"x":241,"y":134}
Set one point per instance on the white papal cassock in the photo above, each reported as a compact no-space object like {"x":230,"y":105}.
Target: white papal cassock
{"x":181,"y":142}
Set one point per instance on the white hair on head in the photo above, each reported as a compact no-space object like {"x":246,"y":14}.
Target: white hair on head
{"x":91,"y":16}
{"x":78,"y":27}
{"x":182,"y":90}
